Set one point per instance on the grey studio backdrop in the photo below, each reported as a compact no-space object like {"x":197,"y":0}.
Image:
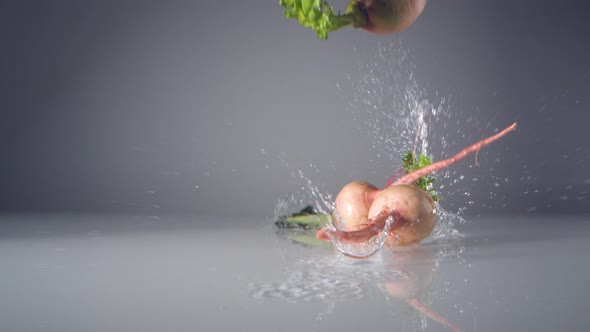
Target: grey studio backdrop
{"x":212,"y":108}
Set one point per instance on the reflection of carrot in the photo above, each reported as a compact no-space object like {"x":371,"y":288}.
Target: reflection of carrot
{"x":360,"y":204}
{"x":418,"y":305}
{"x":419,"y":267}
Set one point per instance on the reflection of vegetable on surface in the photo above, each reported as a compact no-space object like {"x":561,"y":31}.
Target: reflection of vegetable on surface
{"x":406,"y":273}
{"x":418,"y":268}
{"x":363,"y":209}
{"x":307,"y":218}
{"x":300,"y":227}
{"x":376,"y":16}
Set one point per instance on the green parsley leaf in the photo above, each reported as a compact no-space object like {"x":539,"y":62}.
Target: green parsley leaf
{"x":316,"y":15}
{"x":411,"y":163}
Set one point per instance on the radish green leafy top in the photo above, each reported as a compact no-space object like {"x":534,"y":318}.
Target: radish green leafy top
{"x":411,"y":163}
{"x":307,"y":218}
{"x":319,"y":16}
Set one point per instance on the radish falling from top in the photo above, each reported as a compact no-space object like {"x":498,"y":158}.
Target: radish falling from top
{"x":376,"y":16}
{"x":362,"y":210}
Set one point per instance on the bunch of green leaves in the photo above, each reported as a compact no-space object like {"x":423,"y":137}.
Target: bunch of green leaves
{"x":300,"y":227}
{"x":316,"y":15}
{"x":307,"y":218}
{"x":411,"y":162}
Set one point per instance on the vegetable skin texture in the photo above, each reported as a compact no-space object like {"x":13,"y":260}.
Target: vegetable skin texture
{"x":353,"y":204}
{"x":412,"y":209}
{"x":389,"y":16}
{"x":416,"y":209}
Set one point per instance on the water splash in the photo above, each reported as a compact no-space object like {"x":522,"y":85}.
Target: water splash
{"x":396,"y":111}
{"x":324,"y":203}
{"x":328,"y":279}
{"x":444,"y":228}
{"x":385,"y":98}
{"x":309,"y":193}
{"x":320,"y":280}
{"x":312,"y":286}
{"x":363,"y":249}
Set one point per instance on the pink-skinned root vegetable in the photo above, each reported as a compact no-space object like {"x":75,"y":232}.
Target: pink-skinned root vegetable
{"x":375,"y":16}
{"x":362,"y":209}
{"x":387,"y":16}
{"x":412,"y":210}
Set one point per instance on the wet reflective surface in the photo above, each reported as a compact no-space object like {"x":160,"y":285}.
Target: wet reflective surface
{"x":105,"y":273}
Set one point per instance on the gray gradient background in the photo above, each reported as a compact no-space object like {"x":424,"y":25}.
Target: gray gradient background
{"x":164,"y":106}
